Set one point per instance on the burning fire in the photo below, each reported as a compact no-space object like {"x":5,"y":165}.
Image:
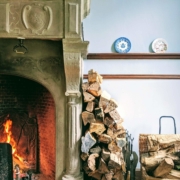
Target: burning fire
{"x":9,"y":138}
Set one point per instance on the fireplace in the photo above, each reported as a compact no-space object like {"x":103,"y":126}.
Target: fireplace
{"x":41,"y":61}
{"x":29,"y":108}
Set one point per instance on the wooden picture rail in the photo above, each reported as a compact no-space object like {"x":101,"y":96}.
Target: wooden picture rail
{"x":118,"y":56}
{"x":135,"y":56}
{"x":137,"y":76}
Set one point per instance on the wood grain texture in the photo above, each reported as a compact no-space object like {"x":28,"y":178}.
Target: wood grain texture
{"x":137,"y":76}
{"x":133,"y":56}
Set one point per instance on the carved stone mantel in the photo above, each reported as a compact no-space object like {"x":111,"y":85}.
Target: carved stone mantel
{"x":55,"y":20}
{"x":42,"y":19}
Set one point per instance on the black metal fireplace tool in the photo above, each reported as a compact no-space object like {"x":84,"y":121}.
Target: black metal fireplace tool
{"x":130,"y":158}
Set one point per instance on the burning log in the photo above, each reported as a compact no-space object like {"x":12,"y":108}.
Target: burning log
{"x":105,"y":135}
{"x":6,"y":168}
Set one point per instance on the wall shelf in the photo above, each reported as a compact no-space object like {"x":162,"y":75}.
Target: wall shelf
{"x":118,"y":56}
{"x":135,"y":56}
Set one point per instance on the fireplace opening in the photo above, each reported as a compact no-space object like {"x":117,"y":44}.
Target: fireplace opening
{"x":27,"y":122}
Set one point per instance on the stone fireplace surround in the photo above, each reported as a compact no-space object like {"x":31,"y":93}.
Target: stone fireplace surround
{"x":51,"y":32}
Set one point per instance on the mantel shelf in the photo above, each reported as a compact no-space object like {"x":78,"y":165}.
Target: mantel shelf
{"x":117,"y":56}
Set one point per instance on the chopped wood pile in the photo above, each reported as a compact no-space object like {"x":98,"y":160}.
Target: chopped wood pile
{"x":104,"y":135}
{"x":160,"y":156}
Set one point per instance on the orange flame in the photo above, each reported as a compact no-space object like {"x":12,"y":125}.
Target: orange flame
{"x":9,"y":138}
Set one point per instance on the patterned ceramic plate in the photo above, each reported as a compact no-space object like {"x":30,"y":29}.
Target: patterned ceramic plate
{"x":159,"y":45}
{"x":122,"y":45}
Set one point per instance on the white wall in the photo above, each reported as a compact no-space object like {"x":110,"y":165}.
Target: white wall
{"x":141,"y":21}
{"x":141,"y":102}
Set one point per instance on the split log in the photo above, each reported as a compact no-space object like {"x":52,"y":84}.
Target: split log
{"x":88,"y":117}
{"x":103,"y":177}
{"x":174,"y":174}
{"x":87,"y":142}
{"x":86,"y":168}
{"x":164,"y":168}
{"x":90,"y":106}
{"x":112,"y":105}
{"x":150,"y":163}
{"x":163,"y":153}
{"x":104,"y":138}
{"x":123,"y":166}
{"x":116,"y":133}
{"x":93,"y":76}
{"x":99,"y":114}
{"x":95,"y":89}
{"x":118,"y":124}
{"x":88,"y":97}
{"x":96,"y":150}
{"x":115,"y":161}
{"x":102,"y":168}
{"x":105,"y":154}
{"x":145,"y":175}
{"x":95,"y":175}
{"x":85,"y":86}
{"x":84,"y":156}
{"x":104,"y":99}
{"x":94,"y":86}
{"x":92,"y":161}
{"x":110,"y":132}
{"x":121,"y":142}
{"x":159,"y":141}
{"x":109,"y":175}
{"x":98,"y":128}
{"x":115,"y":115}
{"x":113,"y":147}
{"x":129,"y":175}
{"x":109,"y":122}
{"x":118,"y":175}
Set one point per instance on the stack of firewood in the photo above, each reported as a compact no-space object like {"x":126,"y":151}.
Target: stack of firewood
{"x":160,"y":156}
{"x":104,"y":135}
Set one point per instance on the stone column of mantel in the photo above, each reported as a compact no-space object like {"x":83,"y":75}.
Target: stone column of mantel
{"x":73,"y":57}
{"x":74,"y":50}
{"x":73,"y":164}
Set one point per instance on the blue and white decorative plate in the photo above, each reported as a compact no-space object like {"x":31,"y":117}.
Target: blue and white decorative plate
{"x":122,"y":45}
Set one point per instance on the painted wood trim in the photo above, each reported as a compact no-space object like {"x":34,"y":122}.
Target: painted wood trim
{"x":137,"y":76}
{"x":118,"y":56}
